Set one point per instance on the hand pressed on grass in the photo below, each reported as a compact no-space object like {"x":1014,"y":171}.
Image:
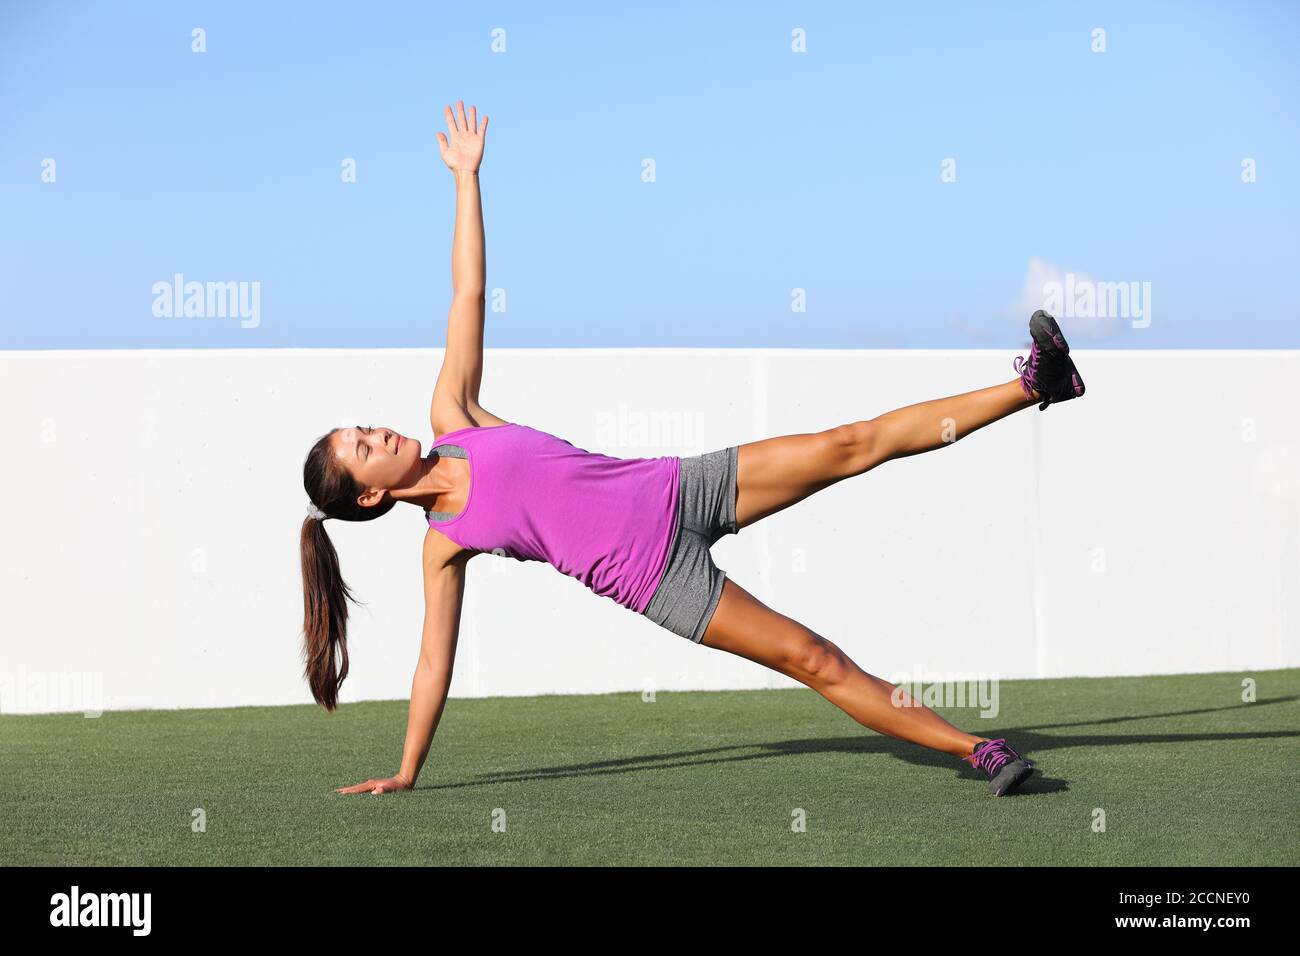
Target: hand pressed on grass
{"x":386,"y":785}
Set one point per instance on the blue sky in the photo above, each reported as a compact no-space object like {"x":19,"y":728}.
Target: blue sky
{"x":774,"y":171}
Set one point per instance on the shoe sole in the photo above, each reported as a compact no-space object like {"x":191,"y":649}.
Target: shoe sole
{"x":1010,"y":777}
{"x":1045,"y":331}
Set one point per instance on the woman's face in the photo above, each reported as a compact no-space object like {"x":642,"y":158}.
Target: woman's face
{"x":377,"y":457}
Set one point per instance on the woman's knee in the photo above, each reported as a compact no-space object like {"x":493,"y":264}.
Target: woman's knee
{"x":857,"y":446}
{"x":815,"y":661}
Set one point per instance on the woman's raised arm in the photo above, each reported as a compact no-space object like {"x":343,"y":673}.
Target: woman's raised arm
{"x":455,"y":396}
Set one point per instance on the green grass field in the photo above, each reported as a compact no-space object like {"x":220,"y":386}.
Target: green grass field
{"x":1186,"y":774}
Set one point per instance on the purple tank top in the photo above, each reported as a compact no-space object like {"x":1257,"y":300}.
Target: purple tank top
{"x":606,"y":521}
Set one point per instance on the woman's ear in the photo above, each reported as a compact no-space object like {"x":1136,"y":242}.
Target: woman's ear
{"x":371,"y":497}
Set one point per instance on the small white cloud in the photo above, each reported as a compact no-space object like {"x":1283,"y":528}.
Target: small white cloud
{"x":1084,"y":307}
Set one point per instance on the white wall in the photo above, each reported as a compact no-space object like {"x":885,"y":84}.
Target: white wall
{"x":153,"y":501}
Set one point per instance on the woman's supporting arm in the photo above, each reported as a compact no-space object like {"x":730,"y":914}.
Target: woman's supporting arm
{"x":444,"y":594}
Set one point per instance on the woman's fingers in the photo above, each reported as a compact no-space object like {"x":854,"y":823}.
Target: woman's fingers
{"x":358,"y":788}
{"x":457,"y":122}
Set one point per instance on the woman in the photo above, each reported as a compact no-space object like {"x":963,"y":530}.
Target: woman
{"x":635,"y":530}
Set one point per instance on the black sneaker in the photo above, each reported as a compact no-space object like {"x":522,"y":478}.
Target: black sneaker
{"x":1049,"y":370}
{"x":1005,"y":768}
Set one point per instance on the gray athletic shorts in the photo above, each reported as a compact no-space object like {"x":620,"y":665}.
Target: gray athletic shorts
{"x":691,"y":586}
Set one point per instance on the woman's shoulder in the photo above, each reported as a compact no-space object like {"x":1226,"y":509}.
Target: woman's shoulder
{"x":453,"y":436}
{"x":449,"y":416}
{"x":450,"y":421}
{"x":439,"y":550}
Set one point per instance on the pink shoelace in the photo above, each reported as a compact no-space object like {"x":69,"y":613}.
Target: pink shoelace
{"x":991,"y":756}
{"x":1028,"y":371}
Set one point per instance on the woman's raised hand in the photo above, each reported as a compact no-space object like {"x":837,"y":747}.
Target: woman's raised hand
{"x":464,"y":150}
{"x":388,"y":785}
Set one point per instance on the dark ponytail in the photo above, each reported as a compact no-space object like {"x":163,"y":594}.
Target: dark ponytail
{"x":334,"y":492}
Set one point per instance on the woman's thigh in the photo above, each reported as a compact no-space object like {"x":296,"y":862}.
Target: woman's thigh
{"x":745,"y":626}
{"x":775,"y":473}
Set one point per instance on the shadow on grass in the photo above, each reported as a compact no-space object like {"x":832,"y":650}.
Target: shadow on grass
{"x":1025,"y":739}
